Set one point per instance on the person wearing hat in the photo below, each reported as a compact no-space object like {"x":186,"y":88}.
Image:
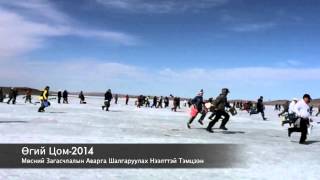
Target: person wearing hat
{"x":220,"y":105}
{"x":302,"y":111}
{"x":44,"y":99}
{"x":197,"y":104}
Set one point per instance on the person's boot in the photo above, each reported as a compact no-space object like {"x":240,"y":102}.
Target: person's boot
{"x":201,"y":122}
{"x":303,"y":143}
{"x":209,"y":130}
{"x":189,"y":125}
{"x":223,"y":128}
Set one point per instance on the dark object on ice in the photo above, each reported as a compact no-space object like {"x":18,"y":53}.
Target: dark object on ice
{"x":154,"y":102}
{"x":127,"y":99}
{"x":107,"y":100}
{"x":166,"y":102}
{"x":12,"y":96}
{"x":160,"y":104}
{"x":82,"y":98}
{"x":176,"y":102}
{"x":260,"y":108}
{"x":140,"y":100}
{"x":59,"y":96}
{"x":1,"y":95}
{"x":65,"y":95}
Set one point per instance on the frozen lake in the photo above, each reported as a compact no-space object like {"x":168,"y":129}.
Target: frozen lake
{"x":272,"y":154}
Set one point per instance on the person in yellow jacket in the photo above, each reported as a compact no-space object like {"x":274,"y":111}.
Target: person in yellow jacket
{"x":44,"y":99}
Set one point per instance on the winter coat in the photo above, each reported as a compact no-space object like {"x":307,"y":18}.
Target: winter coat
{"x":198,"y":102}
{"x":221,"y":102}
{"x":59,"y":94}
{"x":65,"y":94}
{"x":44,"y":95}
{"x":292,"y":107}
{"x":176,"y":101}
{"x":108,"y":96}
{"x":302,"y":109}
{"x":260,"y":106}
{"x":81,"y":96}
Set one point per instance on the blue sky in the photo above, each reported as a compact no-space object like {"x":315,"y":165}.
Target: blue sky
{"x":253,"y":47}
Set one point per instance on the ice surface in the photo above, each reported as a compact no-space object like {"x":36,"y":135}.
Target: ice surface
{"x":272,"y":154}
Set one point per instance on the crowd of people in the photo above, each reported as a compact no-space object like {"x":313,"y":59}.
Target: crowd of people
{"x":296,"y":113}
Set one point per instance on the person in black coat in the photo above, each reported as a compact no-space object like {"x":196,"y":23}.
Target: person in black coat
{"x":127,"y":99}
{"x":160,"y":103}
{"x":175,"y":104}
{"x":59,"y":96}
{"x":65,"y":95}
{"x":107,"y":100}
{"x":198,"y":103}
{"x":140,"y":101}
{"x":260,"y":108}
{"x":154,"y":104}
{"x":166,"y":102}
{"x":1,"y":95}
{"x":82,"y":98}
{"x":178,"y":102}
{"x":13,"y":96}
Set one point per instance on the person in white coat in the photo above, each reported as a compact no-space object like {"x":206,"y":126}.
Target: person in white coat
{"x":302,"y":111}
{"x":291,"y":117}
{"x":292,"y":105}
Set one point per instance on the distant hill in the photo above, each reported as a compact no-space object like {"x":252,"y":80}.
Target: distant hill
{"x":315,"y":102}
{"x":276,"y":102}
{"x":21,"y":90}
